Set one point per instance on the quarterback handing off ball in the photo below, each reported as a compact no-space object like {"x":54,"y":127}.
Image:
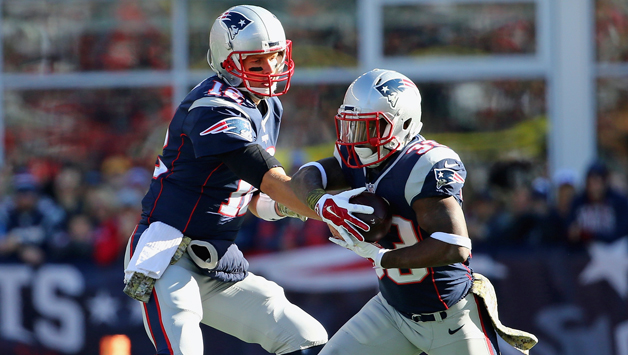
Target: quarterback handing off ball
{"x":381,"y":219}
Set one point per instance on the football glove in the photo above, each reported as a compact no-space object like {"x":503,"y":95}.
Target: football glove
{"x":372,"y":251}
{"x":337,"y":211}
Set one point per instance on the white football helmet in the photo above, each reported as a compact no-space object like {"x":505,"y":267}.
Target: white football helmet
{"x":380,"y":114}
{"x":246,"y":30}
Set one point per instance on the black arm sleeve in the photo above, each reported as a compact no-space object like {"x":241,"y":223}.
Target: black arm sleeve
{"x":250,"y":163}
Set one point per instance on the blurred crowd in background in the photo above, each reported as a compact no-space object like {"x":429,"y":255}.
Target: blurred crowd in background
{"x":78,"y":161}
{"x":64,"y":213}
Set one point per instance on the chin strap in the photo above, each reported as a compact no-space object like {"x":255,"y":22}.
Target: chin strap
{"x":251,"y":94}
{"x":367,"y":156}
{"x":251,"y":91}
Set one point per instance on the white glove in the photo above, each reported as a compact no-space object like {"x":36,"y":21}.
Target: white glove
{"x":372,"y":251}
{"x":337,"y":211}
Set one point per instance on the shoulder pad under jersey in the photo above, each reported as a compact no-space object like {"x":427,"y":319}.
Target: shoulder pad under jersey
{"x":437,"y":172}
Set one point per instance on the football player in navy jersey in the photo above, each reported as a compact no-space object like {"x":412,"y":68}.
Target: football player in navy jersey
{"x":425,"y":303}
{"x":217,"y":157}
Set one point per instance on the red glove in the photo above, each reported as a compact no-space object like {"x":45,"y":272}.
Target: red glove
{"x":336,"y":211}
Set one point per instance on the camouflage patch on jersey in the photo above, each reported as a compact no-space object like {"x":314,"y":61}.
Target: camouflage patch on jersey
{"x":520,"y":340}
{"x":140,"y":287}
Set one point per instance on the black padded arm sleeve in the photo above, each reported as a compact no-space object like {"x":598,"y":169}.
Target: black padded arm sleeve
{"x":250,"y":163}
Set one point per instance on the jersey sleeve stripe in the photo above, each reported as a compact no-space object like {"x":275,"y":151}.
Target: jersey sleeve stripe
{"x":216,"y":102}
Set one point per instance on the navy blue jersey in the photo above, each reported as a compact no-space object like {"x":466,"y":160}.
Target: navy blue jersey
{"x":192,"y":190}
{"x":422,"y":169}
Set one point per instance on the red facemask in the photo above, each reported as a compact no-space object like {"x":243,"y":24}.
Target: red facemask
{"x":272,"y":80}
{"x":357,"y":130}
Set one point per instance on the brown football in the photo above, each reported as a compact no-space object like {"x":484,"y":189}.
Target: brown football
{"x":381,"y":219}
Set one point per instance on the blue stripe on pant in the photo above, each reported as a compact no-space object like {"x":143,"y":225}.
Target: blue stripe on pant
{"x":487,"y":326}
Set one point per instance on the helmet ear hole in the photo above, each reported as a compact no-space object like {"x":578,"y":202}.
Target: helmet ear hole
{"x":407,"y":123}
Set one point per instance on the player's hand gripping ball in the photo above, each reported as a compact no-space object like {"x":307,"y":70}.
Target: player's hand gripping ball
{"x":381,"y":219}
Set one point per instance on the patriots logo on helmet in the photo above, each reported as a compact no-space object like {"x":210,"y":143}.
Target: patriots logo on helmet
{"x":392,"y":88}
{"x":234,"y":22}
{"x":447,"y":177}
{"x":234,"y":125}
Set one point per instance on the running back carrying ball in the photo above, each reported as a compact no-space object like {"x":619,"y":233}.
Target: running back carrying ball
{"x":381,"y":219}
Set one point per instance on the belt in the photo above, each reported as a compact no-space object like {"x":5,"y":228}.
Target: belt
{"x":426,"y":317}
{"x":436,"y":316}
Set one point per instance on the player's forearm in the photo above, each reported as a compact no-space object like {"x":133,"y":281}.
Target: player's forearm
{"x":311,"y":181}
{"x":305,"y":181}
{"x":427,"y":253}
{"x":277,"y":185}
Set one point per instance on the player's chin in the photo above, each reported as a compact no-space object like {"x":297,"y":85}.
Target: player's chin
{"x":264,"y":91}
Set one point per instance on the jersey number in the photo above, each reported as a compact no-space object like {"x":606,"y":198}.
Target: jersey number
{"x":408,"y":237}
{"x":238,"y":201}
{"x":424,"y":147}
{"x":219,"y":90}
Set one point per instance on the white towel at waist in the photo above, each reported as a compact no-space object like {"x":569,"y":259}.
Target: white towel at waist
{"x":154,"y":251}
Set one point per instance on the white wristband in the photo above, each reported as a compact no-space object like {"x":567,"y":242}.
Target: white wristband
{"x":452,"y":239}
{"x":320,"y":168}
{"x":378,"y":258}
{"x":266,"y":208}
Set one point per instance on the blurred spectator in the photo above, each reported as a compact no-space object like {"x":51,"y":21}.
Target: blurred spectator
{"x":529,"y":222}
{"x":519,"y":205}
{"x":564,"y":188}
{"x":599,"y":212}
{"x":77,"y":244}
{"x":482,"y":218}
{"x":68,"y":190}
{"x":112,"y":202}
{"x":31,"y":222}
{"x":111,"y":233}
{"x":134,"y":186}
